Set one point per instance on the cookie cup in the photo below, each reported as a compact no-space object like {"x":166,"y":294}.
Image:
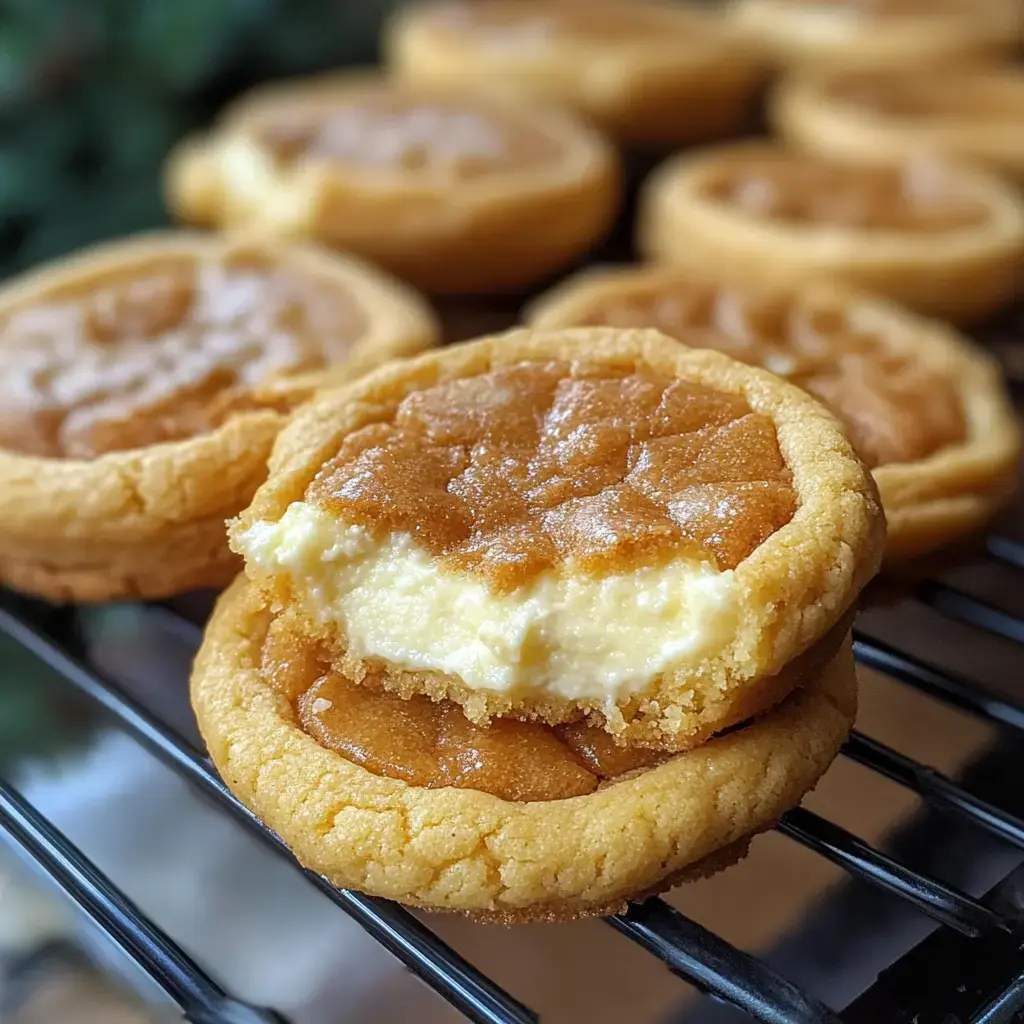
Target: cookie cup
{"x":959,"y":274}
{"x":149,"y":522}
{"x":444,"y":234}
{"x":695,"y":81}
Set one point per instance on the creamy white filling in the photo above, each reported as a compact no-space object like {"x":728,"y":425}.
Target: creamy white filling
{"x":564,"y":634}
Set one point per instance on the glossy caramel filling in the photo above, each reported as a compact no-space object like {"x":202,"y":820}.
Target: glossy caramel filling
{"x":161,"y":352}
{"x":805,"y":190}
{"x":508,"y":473}
{"x":967,"y":97}
{"x":433,"y":744}
{"x":894,"y":406}
{"x":395,"y":131}
{"x":522,"y":24}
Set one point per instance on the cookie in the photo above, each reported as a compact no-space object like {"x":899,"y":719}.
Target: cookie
{"x":554,"y":525}
{"x":966,"y":114}
{"x":450,"y":191}
{"x":881,"y":33}
{"x":408,"y":800}
{"x":940,"y":239}
{"x":141,"y":387}
{"x":926,"y":410}
{"x":647,"y":74}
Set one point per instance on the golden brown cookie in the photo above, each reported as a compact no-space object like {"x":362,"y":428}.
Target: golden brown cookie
{"x":141,"y":386}
{"x":408,"y":800}
{"x":940,"y":239}
{"x":556,"y":524}
{"x":926,"y":410}
{"x":968,"y":114}
{"x":451,"y":191}
{"x":647,"y":73}
{"x":881,"y":33}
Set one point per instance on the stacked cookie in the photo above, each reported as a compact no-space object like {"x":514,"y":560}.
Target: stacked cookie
{"x":541,"y":623}
{"x":535,"y":625}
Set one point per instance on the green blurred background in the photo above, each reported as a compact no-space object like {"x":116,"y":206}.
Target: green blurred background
{"x":93,"y":92}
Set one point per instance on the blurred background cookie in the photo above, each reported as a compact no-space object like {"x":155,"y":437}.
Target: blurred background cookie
{"x":451,"y":191}
{"x":940,"y":239}
{"x":881,"y":33}
{"x":139,"y":397}
{"x":647,"y":73}
{"x":971,"y":114}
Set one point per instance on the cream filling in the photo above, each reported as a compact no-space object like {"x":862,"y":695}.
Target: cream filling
{"x":566,"y":635}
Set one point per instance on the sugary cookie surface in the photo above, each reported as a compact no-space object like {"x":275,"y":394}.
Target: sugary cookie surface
{"x":432,"y":744}
{"x":158,"y":352}
{"x":398,"y":132}
{"x":895,"y":406}
{"x":807,"y":191}
{"x":509,"y":473}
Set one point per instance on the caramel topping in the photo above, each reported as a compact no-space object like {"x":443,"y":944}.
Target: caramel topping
{"x":159,"y":353}
{"x":894,"y":406}
{"x":802,"y":189}
{"x":522,"y":24}
{"x":511,"y":472}
{"x":965,"y":96}
{"x":432,"y":744}
{"x":387,"y":129}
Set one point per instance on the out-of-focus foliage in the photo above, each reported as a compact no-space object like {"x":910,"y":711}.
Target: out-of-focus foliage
{"x":92,"y":95}
{"x":93,"y":92}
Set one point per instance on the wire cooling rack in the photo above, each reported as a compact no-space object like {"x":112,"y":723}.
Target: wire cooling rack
{"x":987,"y":931}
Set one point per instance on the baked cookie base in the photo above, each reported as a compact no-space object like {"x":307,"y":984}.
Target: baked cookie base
{"x":470,"y":852}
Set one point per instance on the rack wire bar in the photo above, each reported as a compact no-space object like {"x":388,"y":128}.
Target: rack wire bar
{"x":942,"y":903}
{"x":199,"y":996}
{"x":1003,"y":549}
{"x":941,"y":792}
{"x":419,"y":949}
{"x":1004,"y":1009}
{"x":945,"y":686}
{"x":955,"y":604}
{"x":712,"y":964}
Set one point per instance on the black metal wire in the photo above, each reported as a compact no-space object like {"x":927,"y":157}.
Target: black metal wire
{"x":942,"y":903}
{"x":198,"y":995}
{"x":943,"y":685}
{"x":426,"y":955}
{"x":934,"y":787}
{"x":955,"y":604}
{"x":1006,"y":1007}
{"x":1009,"y":552}
{"x":712,"y":964}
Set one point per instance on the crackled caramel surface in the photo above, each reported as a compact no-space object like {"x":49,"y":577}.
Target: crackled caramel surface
{"x":510,"y":472}
{"x":430,"y":744}
{"x":524,"y":24}
{"x":894,"y":406}
{"x":392,"y":130}
{"x":160,"y":352}
{"x":804,"y":190}
{"x":964,"y":96}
